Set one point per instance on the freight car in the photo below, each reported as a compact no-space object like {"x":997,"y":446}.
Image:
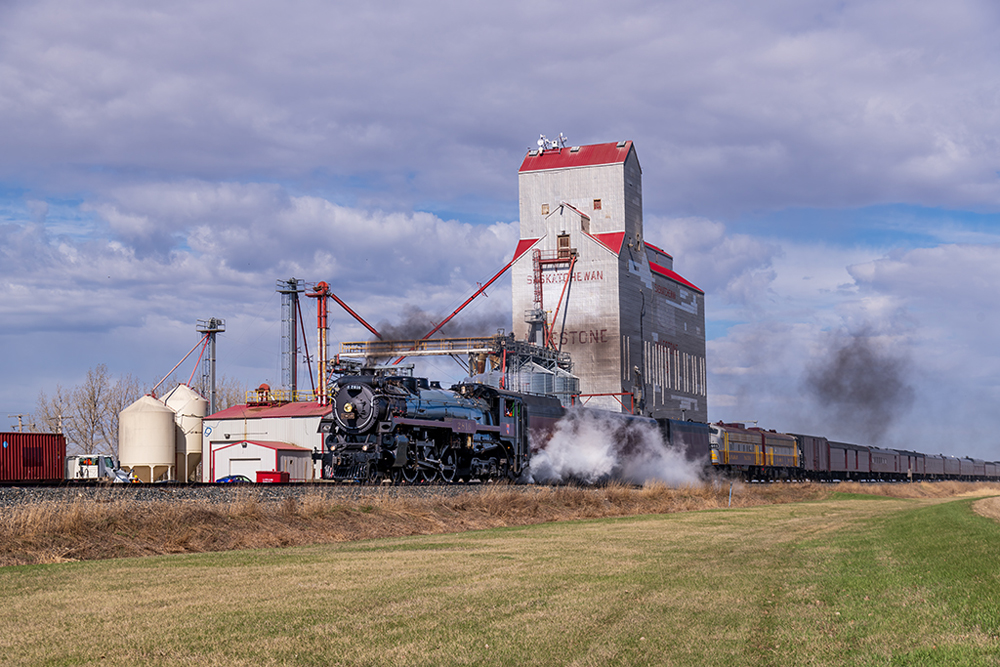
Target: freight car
{"x":32,"y":458}
{"x":746,"y":453}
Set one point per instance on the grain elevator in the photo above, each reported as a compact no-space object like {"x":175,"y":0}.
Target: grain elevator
{"x":585,"y":281}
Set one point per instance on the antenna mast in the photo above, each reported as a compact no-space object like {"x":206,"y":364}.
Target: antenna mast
{"x":290,"y":290}
{"x":210,"y":328}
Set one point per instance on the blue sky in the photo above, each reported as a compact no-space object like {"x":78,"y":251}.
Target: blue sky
{"x":826,"y":171}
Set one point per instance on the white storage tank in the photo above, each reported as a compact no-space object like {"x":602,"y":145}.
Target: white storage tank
{"x":189,"y":409}
{"x":146,"y":439}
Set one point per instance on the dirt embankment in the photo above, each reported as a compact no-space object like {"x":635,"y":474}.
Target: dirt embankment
{"x":988,"y":507}
{"x":78,"y":529}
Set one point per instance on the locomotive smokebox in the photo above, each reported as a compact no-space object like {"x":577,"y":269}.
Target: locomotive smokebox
{"x":355,"y":408}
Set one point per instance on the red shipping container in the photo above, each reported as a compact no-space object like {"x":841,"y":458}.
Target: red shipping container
{"x":272,"y":477}
{"x":32,"y":457}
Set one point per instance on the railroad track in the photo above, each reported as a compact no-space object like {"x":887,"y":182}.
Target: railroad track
{"x":11,"y":496}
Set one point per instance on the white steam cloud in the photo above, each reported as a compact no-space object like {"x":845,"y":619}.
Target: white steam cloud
{"x":590,"y":446}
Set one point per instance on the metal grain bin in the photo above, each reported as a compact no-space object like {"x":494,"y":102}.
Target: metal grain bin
{"x":146,"y":439}
{"x":190,"y":409}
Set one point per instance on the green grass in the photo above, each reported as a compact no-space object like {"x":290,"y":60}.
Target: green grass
{"x":841,"y":582}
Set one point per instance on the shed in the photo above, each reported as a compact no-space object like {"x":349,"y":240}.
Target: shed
{"x":248,"y":457}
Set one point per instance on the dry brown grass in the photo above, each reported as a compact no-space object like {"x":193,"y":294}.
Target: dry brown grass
{"x":88,"y":530}
{"x":921,"y":489}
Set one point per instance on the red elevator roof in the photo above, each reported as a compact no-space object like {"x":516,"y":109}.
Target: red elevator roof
{"x":667,"y":273}
{"x":576,"y":156}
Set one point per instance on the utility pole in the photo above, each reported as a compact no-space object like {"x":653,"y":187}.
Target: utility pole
{"x":20,"y":424}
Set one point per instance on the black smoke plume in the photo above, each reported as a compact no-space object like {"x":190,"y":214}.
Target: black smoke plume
{"x":863,"y":385}
{"x":416,"y":323}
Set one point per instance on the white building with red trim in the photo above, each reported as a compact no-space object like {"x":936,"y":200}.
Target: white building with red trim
{"x":634,"y":327}
{"x":265,"y":436}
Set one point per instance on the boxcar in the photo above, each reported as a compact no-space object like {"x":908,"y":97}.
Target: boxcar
{"x":815,"y":452}
{"x":934,"y":466}
{"x":32,"y":457}
{"x":952,"y":468}
{"x":884,"y":463}
{"x":849,"y":461}
{"x":912,"y":465}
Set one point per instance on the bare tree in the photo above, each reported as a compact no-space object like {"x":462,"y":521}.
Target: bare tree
{"x":229,"y":392}
{"x":124,"y":392}
{"x":88,"y":413}
{"x":50,"y":413}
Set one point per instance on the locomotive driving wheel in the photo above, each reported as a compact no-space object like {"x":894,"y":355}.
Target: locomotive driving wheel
{"x":410,"y":473}
{"x":449,"y":467}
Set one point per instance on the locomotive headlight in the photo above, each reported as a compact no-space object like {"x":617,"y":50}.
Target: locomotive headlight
{"x":364,"y":448}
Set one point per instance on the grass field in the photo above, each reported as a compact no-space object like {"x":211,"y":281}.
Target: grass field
{"x":848,"y":580}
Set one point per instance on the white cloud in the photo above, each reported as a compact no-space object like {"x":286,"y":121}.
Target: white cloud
{"x":733,"y":106}
{"x":735,"y":269}
{"x":111,"y":302}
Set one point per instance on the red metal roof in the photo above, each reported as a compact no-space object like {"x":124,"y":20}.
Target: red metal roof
{"x":298,"y":409}
{"x":522,"y":247}
{"x":663,"y":271}
{"x":577,"y":156}
{"x":659,"y":250}
{"x":269,"y":444}
{"x":611,"y":240}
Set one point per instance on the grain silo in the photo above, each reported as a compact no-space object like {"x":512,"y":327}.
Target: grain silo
{"x":146,"y":439}
{"x":189,"y":409}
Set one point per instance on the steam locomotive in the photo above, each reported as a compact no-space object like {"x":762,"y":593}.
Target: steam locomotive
{"x":407,"y":429}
